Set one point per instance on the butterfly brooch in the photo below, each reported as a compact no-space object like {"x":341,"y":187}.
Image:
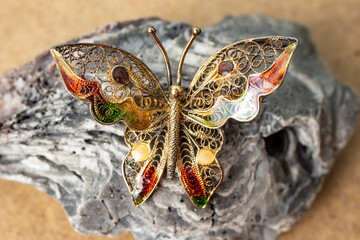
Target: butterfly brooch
{"x":175,"y":129}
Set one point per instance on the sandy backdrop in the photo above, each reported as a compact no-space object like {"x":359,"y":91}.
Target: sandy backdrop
{"x":27,"y":28}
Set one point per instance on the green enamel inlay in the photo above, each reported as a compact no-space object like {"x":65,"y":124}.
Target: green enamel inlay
{"x":137,"y":199}
{"x":200,"y":201}
{"x":208,"y":123}
{"x":109,"y":113}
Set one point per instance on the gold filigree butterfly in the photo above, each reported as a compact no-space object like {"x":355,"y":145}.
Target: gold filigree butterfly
{"x":175,"y":128}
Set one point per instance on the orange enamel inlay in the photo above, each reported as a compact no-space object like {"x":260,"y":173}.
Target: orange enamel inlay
{"x":146,"y":184}
{"x":269,"y":80}
{"x":194,"y":187}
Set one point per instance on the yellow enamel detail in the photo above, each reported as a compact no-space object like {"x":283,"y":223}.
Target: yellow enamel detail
{"x":205,"y":157}
{"x":140,"y":152}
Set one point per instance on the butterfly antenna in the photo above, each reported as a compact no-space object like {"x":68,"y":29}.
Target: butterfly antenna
{"x":195,"y":32}
{"x":152,"y":32}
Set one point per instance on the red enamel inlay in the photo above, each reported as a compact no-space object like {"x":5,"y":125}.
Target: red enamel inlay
{"x":192,"y":182}
{"x":147,"y":183}
{"x":77,"y":85}
{"x":270,"y":79}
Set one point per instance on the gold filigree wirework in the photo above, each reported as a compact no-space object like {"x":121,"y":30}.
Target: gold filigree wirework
{"x":174,"y":129}
{"x":249,"y":56}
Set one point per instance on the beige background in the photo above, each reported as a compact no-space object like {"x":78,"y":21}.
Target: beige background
{"x":29,"y":27}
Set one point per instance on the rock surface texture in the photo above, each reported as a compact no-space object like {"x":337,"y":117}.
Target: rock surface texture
{"x":273,"y":166}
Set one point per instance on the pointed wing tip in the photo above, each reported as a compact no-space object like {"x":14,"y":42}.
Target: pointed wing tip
{"x":291,"y":48}
{"x":137,"y":203}
{"x":291,"y":40}
{"x":294,"y":42}
{"x":62,"y":65}
{"x":54,"y":51}
{"x":56,"y":55}
{"x":136,"y":199}
{"x":200,"y":202}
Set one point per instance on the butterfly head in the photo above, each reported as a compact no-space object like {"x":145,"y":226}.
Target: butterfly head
{"x":176,"y":92}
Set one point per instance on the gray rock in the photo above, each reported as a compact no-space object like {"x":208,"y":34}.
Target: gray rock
{"x":273,"y":166}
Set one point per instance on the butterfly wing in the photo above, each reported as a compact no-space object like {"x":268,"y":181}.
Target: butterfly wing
{"x":145,"y":163}
{"x":117,"y":85}
{"x":231,"y":83}
{"x":199,"y":170}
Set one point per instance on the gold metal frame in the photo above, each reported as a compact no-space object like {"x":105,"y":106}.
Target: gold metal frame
{"x":178,"y":129}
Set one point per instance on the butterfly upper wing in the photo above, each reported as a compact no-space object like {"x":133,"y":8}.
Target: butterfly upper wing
{"x":145,"y":163}
{"x":117,"y":85}
{"x":231,"y":83}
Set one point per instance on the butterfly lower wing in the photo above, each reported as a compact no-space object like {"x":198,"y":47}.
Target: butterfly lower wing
{"x":231,"y":83}
{"x":117,"y":85}
{"x":146,"y":161}
{"x":199,"y":170}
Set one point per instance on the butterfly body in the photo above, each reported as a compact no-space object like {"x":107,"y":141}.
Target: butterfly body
{"x":176,"y":131}
{"x":176,"y":94}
